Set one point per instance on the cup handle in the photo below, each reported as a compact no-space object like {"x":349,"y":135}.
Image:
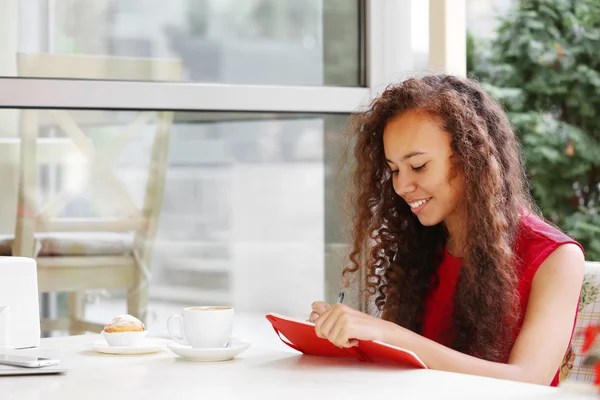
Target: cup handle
{"x":178,"y":338}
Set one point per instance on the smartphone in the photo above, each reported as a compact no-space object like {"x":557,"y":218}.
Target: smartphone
{"x":27,"y":361}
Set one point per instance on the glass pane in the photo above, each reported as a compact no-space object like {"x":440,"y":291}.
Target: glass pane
{"x":241,"y":216}
{"x":284,"y":42}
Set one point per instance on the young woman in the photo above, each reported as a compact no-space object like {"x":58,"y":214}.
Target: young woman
{"x":464,"y":271}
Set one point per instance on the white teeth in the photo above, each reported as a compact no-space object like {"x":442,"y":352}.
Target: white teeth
{"x":418,"y":203}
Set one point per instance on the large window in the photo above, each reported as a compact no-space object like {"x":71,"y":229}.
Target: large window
{"x":285,"y":42}
{"x":242,"y":219}
{"x":254,"y":97}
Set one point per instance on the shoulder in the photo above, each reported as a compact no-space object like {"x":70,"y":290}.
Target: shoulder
{"x":558,"y":280}
{"x":566,"y":263}
{"x":537,"y":240}
{"x":533,"y":228}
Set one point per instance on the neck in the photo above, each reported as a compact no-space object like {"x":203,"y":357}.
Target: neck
{"x":455,"y":225}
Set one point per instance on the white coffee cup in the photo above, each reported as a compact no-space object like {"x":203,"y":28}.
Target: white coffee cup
{"x":203,"y":327}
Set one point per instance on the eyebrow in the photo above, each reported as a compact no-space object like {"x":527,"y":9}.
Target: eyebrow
{"x":409,"y":155}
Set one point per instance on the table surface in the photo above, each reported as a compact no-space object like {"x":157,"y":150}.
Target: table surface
{"x":258,"y":373}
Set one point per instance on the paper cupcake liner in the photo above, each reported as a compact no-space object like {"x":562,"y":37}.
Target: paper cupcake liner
{"x":124,"y":339}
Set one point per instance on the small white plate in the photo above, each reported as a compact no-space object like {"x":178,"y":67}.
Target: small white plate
{"x":149,"y":345}
{"x":234,"y":348}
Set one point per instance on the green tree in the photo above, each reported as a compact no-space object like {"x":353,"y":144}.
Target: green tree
{"x":544,"y":67}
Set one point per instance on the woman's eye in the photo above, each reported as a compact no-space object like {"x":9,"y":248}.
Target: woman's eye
{"x":395,"y":172}
{"x":419,"y":168}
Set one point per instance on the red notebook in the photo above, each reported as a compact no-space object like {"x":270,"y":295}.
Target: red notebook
{"x":301,"y":336}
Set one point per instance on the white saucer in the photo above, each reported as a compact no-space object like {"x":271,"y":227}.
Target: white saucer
{"x":149,"y":345}
{"x":234,"y":348}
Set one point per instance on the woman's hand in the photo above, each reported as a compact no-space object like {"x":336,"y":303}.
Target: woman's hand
{"x":318,"y":308}
{"x":344,"y":326}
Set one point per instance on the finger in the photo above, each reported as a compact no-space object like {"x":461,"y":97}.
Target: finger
{"x":318,"y":324}
{"x":320,"y":307}
{"x":323,"y":324}
{"x":313,"y":317}
{"x":352,"y":343}
{"x":327,"y":321}
{"x":337,"y":334}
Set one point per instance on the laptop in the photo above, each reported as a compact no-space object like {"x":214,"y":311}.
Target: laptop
{"x":8,"y":370}
{"x":30,"y":359}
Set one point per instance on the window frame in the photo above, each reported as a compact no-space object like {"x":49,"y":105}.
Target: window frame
{"x":385,"y":57}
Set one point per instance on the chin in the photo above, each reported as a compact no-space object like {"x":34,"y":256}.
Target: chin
{"x":428,"y":221}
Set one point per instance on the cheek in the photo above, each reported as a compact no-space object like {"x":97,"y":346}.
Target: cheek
{"x":447,"y":189}
{"x":455,"y":192}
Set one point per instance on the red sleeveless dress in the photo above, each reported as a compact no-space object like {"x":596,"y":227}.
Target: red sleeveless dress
{"x":536,"y":240}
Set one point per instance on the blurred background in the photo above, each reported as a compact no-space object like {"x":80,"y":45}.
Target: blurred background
{"x":156,"y":155}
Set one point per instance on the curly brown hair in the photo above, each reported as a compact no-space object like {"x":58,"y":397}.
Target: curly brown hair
{"x":398,"y":256}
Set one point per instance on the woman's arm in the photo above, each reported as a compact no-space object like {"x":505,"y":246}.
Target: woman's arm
{"x":538,"y":350}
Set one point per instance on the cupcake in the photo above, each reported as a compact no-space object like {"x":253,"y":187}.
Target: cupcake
{"x":124,"y":331}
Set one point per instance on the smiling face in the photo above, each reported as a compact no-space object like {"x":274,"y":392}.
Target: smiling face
{"x":418,"y":153}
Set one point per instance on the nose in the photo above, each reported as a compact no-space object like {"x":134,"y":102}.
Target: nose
{"x":404,"y":185}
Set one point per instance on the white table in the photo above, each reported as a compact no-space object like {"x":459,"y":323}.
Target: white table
{"x":255,"y":374}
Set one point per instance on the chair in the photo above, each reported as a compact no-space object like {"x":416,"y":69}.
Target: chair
{"x":589,"y":312}
{"x":77,"y":255}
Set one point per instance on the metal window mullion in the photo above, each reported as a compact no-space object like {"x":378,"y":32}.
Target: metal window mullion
{"x":115,"y":95}
{"x":389,"y":47}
